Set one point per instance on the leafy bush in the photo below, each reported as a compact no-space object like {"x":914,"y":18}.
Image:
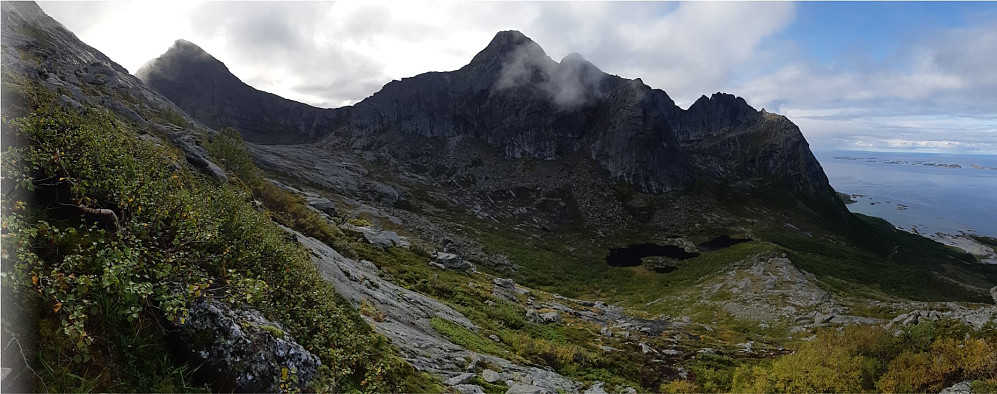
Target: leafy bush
{"x":679,"y":387}
{"x":228,"y":149}
{"x":103,"y":287}
{"x":927,"y":357}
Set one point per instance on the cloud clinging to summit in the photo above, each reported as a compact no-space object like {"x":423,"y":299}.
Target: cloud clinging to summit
{"x":937,"y":90}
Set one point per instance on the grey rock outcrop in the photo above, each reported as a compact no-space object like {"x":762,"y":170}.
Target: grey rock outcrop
{"x":407,"y":317}
{"x":517,"y":388}
{"x":963,"y":387}
{"x":322,"y":204}
{"x":376,"y":237}
{"x":596,"y":388}
{"x":452,"y":261}
{"x":505,"y":289}
{"x":548,"y":317}
{"x":469,"y":389}
{"x":463,"y":378}
{"x":244,"y":348}
{"x":974,"y":317}
{"x":490,"y":376}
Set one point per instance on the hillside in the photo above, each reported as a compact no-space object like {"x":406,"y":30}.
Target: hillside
{"x":517,"y":225}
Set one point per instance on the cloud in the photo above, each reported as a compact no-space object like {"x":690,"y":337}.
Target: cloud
{"x":939,"y":92}
{"x":569,"y":84}
{"x":351,"y":48}
{"x":333,"y":54}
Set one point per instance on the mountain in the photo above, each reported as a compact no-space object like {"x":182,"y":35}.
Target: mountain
{"x":38,"y":48}
{"x":526,"y":105}
{"x":518,"y":225}
{"x":205,"y":89}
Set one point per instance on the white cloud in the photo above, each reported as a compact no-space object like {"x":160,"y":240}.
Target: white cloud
{"x":939,"y":93}
{"x":332,"y":54}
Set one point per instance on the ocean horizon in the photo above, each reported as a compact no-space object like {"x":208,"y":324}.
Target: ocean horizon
{"x":925,"y":193}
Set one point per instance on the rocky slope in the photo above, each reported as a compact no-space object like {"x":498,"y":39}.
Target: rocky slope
{"x":506,"y":165}
{"x":40,"y":49}
{"x":526,"y":105}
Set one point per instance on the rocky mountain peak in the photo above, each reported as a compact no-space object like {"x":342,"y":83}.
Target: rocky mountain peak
{"x":183,"y":57}
{"x":507,"y":47}
{"x":574,"y":57}
{"x":517,"y":99}
{"x":204,"y":87}
{"x":507,"y":42}
{"x":183,"y":47}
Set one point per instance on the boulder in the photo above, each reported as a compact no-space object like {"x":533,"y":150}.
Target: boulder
{"x":246,"y":350}
{"x":993,"y":293}
{"x":550,"y":317}
{"x":452,"y":261}
{"x":958,"y":388}
{"x":382,"y":238}
{"x":490,"y":376}
{"x":463,"y":378}
{"x":323,"y":205}
{"x":596,"y":388}
{"x":532,"y":315}
{"x":505,"y":283}
{"x":517,"y":388}
{"x":505,"y":289}
{"x":469,"y":389}
{"x":387,"y":193}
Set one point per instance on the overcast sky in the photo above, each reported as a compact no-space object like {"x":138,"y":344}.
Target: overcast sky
{"x":872,"y":76}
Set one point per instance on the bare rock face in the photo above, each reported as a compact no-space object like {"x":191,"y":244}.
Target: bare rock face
{"x":524,"y":104}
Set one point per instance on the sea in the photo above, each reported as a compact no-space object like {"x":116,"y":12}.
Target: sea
{"x":926,"y":193}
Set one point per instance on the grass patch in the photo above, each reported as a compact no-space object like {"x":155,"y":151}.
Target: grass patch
{"x":464,"y":337}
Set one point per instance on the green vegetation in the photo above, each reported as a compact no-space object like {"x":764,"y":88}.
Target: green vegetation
{"x":989,"y":241}
{"x":108,"y":238}
{"x":923,"y":358}
{"x":875,"y":254}
{"x":286,"y":208}
{"x":464,"y":337}
{"x":571,"y":348}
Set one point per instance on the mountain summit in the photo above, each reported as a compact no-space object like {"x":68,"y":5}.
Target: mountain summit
{"x":520,"y":101}
{"x":518,"y":225}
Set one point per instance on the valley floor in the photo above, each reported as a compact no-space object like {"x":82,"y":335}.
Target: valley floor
{"x":740,"y":312}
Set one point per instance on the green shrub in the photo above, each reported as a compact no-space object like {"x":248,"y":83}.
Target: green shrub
{"x":102,"y":292}
{"x":229,"y":151}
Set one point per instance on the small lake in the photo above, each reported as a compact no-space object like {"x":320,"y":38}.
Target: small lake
{"x":720,"y":243}
{"x":630,"y":256}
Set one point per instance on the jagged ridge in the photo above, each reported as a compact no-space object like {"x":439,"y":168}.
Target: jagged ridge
{"x":516,"y":98}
